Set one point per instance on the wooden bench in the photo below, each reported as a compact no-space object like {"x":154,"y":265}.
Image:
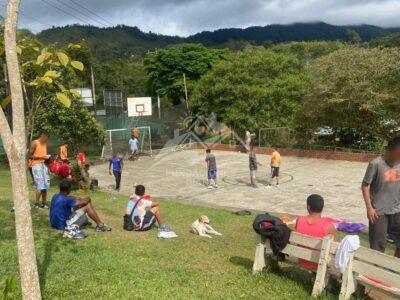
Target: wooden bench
{"x":304,"y":247}
{"x":364,"y":262}
{"x":379,"y":266}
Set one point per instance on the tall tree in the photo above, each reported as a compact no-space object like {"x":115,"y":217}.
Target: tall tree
{"x":356,"y":89}
{"x":15,"y":146}
{"x":167,"y":66}
{"x":252,"y":89}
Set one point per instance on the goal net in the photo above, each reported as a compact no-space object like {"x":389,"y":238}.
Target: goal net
{"x":274,"y":137}
{"x":118,"y":140}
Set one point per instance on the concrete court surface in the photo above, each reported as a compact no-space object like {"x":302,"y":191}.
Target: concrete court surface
{"x":181,"y":175}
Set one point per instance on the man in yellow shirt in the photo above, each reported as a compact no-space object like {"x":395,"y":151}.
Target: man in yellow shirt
{"x":275,"y":166}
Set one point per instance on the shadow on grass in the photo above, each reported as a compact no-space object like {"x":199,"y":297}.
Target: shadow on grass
{"x":51,"y":245}
{"x":246,"y":263}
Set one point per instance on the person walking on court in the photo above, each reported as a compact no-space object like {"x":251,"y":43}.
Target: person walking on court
{"x":275,"y":166}
{"x":133,"y":143}
{"x":211,"y":169}
{"x":253,"y":166}
{"x":117,"y":164}
{"x":40,"y":172}
{"x":381,"y":192}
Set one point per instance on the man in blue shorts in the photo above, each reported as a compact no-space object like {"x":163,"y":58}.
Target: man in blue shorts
{"x":211,"y":169}
{"x":133,"y":143}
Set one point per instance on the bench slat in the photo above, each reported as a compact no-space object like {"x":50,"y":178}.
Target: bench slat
{"x":305,"y":240}
{"x":300,"y":252}
{"x":377,"y":258}
{"x":376,"y":273}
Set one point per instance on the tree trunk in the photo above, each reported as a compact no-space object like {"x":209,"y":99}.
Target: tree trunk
{"x":15,"y":146}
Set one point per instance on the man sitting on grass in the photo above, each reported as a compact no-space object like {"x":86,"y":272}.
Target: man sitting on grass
{"x":314,"y":225}
{"x":67,"y":211}
{"x":145,"y":213}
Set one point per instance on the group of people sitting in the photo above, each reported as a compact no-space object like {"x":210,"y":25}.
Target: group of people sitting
{"x":70,"y":213}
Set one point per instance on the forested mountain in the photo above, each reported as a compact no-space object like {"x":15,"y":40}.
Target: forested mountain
{"x":124,"y":41}
{"x":291,"y":32}
{"x":116,"y":42}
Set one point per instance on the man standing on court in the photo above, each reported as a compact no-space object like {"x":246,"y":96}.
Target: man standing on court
{"x":275,"y":166}
{"x":253,"y":166}
{"x":133,"y":143}
{"x":117,"y":164}
{"x":211,"y":169}
{"x":40,"y":172}
{"x":381,"y":192}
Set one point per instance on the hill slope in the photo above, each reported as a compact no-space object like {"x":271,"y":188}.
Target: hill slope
{"x":123,"y":41}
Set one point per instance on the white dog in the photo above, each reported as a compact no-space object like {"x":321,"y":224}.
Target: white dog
{"x":202,"y":227}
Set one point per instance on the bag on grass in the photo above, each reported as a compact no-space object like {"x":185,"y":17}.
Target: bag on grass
{"x":128,"y":225}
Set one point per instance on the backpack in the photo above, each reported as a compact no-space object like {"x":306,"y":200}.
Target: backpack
{"x":273,"y":229}
{"x":128,"y":225}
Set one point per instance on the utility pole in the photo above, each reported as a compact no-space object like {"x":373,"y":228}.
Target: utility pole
{"x":186,"y":95}
{"x":159,"y":106}
{"x":93,"y":92}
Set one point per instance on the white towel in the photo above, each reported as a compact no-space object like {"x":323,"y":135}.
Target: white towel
{"x":347,"y":246}
{"x":166,"y":234}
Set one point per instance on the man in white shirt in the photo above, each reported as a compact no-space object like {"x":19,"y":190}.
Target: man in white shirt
{"x":145,"y":212}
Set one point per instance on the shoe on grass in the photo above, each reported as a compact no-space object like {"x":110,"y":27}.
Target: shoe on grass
{"x":44,"y":206}
{"x":37,"y":206}
{"x":74,"y":234}
{"x":210,"y":187}
{"x":103,"y":228}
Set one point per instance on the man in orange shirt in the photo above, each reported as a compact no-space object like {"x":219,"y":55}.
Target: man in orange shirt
{"x":64,"y":153}
{"x":40,"y":172}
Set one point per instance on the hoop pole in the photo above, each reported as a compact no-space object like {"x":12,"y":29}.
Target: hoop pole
{"x":151,"y":148}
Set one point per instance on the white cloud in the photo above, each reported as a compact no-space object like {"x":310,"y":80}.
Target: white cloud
{"x":184,"y":17}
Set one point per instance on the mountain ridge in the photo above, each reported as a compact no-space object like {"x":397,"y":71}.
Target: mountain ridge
{"x":125,"y":41}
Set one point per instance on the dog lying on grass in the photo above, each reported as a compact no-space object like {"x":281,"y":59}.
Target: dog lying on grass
{"x":202,"y":228}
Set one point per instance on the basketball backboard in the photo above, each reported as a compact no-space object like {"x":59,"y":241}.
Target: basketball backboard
{"x":139,"y":106}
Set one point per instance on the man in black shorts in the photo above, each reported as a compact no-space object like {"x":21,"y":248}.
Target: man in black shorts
{"x":145,"y":212}
{"x":381,"y":192}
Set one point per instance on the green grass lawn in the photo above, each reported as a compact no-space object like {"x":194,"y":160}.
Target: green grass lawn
{"x":131,"y":265}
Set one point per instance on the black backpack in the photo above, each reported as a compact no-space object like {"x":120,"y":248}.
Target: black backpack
{"x":128,"y":225}
{"x":273,"y":229}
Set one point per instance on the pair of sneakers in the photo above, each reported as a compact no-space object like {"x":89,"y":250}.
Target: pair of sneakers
{"x":210,"y":187}
{"x":43,"y":206}
{"x":73,"y":232}
{"x":103,"y":228}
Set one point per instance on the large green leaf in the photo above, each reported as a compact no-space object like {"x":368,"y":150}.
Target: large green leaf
{"x":52,"y":74}
{"x":42,"y":58}
{"x":47,"y":79}
{"x":64,"y":99}
{"x":77,"y":65}
{"x":63,"y":58}
{"x":5,"y":102}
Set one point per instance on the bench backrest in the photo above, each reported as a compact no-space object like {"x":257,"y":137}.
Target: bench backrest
{"x":304,"y":247}
{"x":377,"y":265}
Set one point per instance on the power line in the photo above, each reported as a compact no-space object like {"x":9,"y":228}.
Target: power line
{"x":27,"y":16}
{"x":91,"y":11}
{"x":75,"y":9}
{"x":65,"y":12}
{"x":34,"y":19}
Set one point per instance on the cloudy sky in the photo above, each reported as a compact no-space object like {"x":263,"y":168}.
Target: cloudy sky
{"x":185,"y":17}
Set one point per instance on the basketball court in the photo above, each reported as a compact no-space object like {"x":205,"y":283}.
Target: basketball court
{"x":180,"y":175}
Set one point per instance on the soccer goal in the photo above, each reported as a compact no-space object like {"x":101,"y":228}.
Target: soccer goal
{"x":274,"y":137}
{"x":118,"y":140}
